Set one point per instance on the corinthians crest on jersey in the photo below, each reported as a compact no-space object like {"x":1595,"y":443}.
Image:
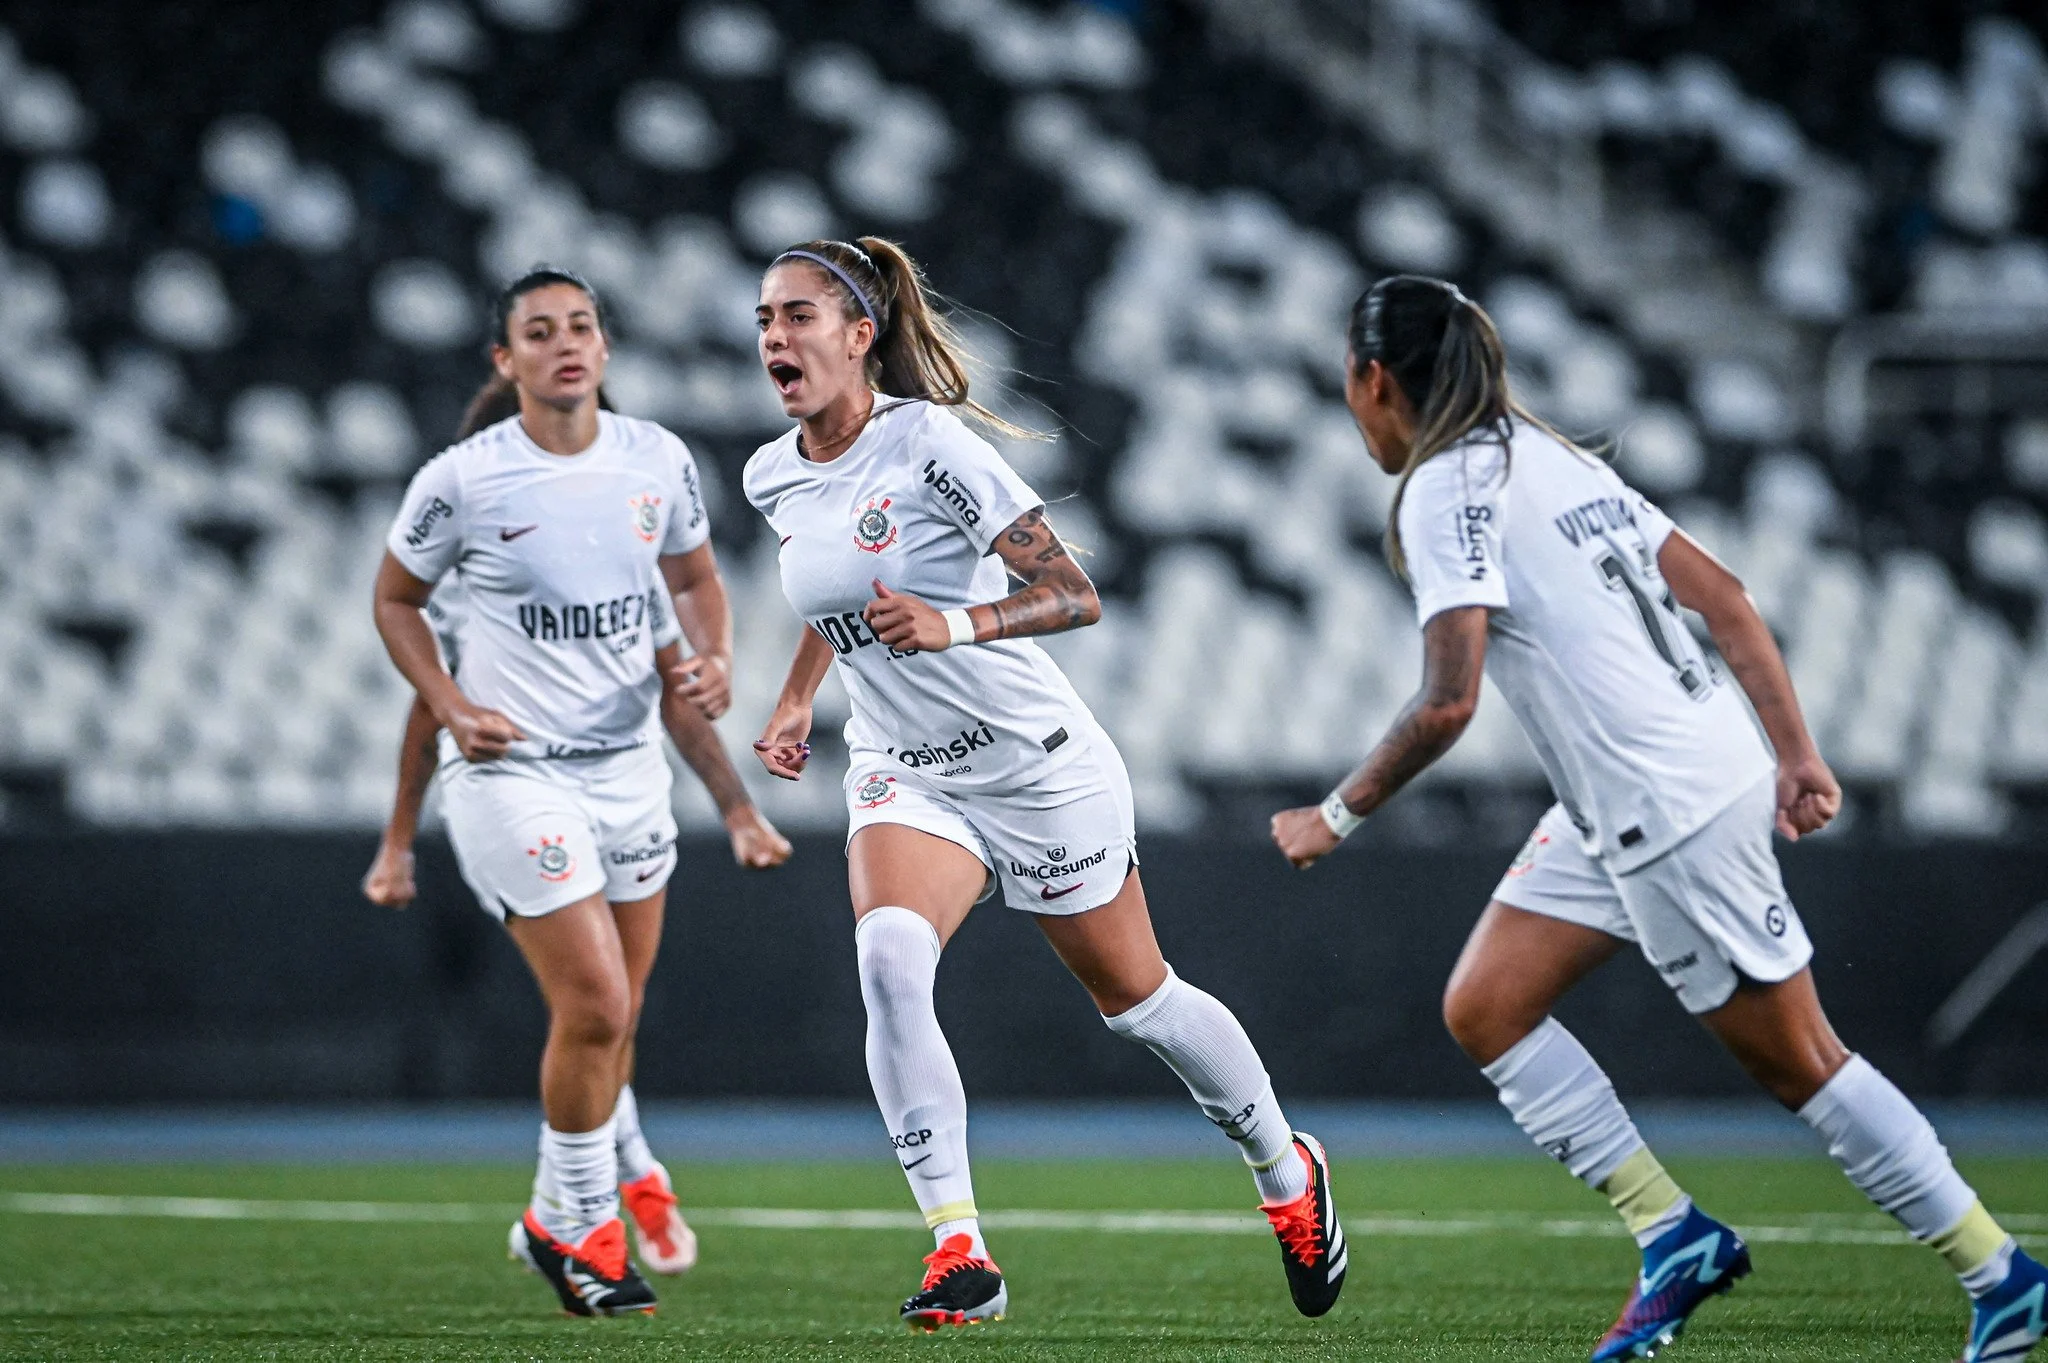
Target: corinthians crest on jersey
{"x":646,"y":515}
{"x":873,"y":531}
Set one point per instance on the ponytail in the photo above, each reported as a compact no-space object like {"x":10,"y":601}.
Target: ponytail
{"x":495,"y":401}
{"x":916,"y":352}
{"x":1436,"y":342}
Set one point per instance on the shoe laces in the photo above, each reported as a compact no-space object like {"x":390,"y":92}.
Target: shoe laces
{"x":1299,"y":1225}
{"x":956,"y":1252}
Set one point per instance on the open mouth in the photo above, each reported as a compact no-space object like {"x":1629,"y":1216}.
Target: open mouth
{"x":569,"y":373}
{"x":786,"y":377}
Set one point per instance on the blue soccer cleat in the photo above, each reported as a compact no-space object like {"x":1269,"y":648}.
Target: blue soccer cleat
{"x":2006,"y":1323}
{"x":1694,"y":1260}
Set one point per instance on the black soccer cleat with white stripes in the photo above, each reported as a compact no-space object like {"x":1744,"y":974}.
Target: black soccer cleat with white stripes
{"x":594,"y":1278}
{"x":1311,"y":1242}
{"x":960,"y":1288}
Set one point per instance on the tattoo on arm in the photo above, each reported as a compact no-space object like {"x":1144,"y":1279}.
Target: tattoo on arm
{"x":1056,"y":595}
{"x":1454,"y":658}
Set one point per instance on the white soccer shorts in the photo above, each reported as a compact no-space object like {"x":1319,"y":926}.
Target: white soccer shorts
{"x":1061,"y":846}
{"x":533,"y":837}
{"x":1708,"y":914}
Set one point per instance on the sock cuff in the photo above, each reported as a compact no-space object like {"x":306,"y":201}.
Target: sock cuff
{"x":893,"y":916}
{"x":598,"y":1137}
{"x":1821,"y":1109}
{"x":1261,"y":1166}
{"x":1640,"y":1189}
{"x":627,"y":1108}
{"x":952,"y":1211}
{"x":1972,"y":1241}
{"x":1132,"y":1020}
{"x":1517,"y":1057}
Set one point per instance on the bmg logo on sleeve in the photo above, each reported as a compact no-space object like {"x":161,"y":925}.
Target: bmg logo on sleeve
{"x":436,"y":512}
{"x":953,"y":492}
{"x":1472,"y":523}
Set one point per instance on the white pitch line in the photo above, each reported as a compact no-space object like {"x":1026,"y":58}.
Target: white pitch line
{"x":245,"y":1209}
{"x":1822,"y":1228}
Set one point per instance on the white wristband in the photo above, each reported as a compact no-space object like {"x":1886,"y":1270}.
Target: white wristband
{"x":1340,"y":819}
{"x":959,"y":627}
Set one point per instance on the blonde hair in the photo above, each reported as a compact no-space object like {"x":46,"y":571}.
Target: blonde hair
{"x":1436,"y":342}
{"x":916,"y":353}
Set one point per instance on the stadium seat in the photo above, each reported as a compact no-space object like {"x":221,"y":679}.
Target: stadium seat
{"x":244,"y":395}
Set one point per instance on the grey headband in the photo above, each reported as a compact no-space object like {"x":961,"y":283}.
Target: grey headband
{"x":843,"y":277}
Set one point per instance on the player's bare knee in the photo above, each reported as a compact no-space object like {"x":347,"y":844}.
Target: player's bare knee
{"x":1464,"y":1015}
{"x":599,"y":1018}
{"x":1484,"y":1025}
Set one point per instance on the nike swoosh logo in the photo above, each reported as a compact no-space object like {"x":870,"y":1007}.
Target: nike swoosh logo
{"x":785,"y":539}
{"x":1048,"y":892}
{"x":914,"y":1163}
{"x":648,"y":874}
{"x":509,"y":535}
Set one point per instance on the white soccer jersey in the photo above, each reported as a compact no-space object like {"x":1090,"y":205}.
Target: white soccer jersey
{"x":448,"y":616}
{"x":447,"y":613}
{"x":916,"y":502}
{"x":557,"y":555}
{"x":1643,"y":737}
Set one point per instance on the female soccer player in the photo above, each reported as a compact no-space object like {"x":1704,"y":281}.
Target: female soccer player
{"x":1532,"y":561}
{"x":559,"y":811}
{"x":667,"y":1244}
{"x":975,"y":766}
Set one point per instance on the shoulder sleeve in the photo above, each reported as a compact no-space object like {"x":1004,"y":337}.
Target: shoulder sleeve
{"x":1451,"y":533}
{"x":754,"y":478}
{"x":426,"y":538}
{"x":1655,"y":526}
{"x":688,"y":526}
{"x":967,"y":482}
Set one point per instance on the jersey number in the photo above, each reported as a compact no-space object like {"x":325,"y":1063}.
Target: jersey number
{"x":1659,"y":615}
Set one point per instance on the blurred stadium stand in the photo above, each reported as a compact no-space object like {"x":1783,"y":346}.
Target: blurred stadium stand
{"x":245,"y":248}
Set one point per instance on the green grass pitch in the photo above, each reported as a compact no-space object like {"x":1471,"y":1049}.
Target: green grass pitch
{"x":134,"y":1287}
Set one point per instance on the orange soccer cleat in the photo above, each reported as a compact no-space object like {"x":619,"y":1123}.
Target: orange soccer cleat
{"x":959,"y":1289}
{"x":667,"y":1244}
{"x":593,"y":1277}
{"x":1312,"y":1244}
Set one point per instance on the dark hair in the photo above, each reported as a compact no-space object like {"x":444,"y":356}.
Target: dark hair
{"x":916,"y":352}
{"x":538,"y":277}
{"x":493,"y":403}
{"x":1446,"y":356}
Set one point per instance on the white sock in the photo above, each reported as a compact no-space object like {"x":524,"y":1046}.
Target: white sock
{"x":1201,"y":1041}
{"x":1992,"y":1272}
{"x":968,"y":1226}
{"x":576,"y":1188}
{"x":917,"y":1085}
{"x":1889,"y":1150}
{"x":636,"y":1157}
{"x":1560,"y":1096}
